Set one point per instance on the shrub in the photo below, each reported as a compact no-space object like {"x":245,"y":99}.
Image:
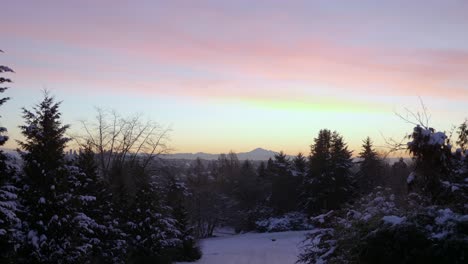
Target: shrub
{"x":289,"y":222}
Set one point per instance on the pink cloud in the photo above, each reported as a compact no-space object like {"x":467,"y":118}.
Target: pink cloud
{"x":259,"y":50}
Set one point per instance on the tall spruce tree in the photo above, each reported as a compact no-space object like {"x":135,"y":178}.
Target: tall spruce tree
{"x":328,"y":183}
{"x":57,"y":229}
{"x":370,"y":168}
{"x":44,"y":142}
{"x":342,"y":163}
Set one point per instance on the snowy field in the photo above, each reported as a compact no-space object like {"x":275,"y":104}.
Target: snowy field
{"x":253,"y":248}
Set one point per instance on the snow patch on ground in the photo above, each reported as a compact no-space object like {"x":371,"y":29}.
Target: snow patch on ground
{"x":410,"y":178}
{"x":258,"y":248}
{"x":393,"y":219}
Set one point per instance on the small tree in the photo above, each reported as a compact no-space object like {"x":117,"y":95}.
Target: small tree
{"x":300,"y":164}
{"x":370,"y":168}
{"x":205,"y":205}
{"x":432,"y":153}
{"x":247,"y":193}
{"x":177,"y":199}
{"x":462,"y":140}
{"x":285,"y":186}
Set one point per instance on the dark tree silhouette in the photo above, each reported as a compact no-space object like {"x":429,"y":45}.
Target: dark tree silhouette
{"x":328,"y":183}
{"x":370,"y":168}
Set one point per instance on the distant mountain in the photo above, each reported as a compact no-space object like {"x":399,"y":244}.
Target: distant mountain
{"x":256,"y":154}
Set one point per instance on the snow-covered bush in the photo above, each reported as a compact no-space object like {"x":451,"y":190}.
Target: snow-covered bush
{"x":10,"y":223}
{"x":429,"y":235}
{"x":290,"y":221}
{"x":375,"y":230}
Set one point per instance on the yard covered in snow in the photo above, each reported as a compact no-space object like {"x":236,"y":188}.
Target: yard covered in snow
{"x":253,"y":248}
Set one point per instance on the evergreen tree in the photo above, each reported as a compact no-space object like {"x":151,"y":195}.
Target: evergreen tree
{"x":9,"y":204}
{"x":433,"y":159}
{"x":95,"y":197}
{"x":285,"y":185}
{"x":261,"y":170}
{"x":462,"y":140}
{"x":3,"y":81}
{"x":370,"y":168}
{"x":341,"y":171}
{"x":328,"y":183}
{"x":44,"y":143}
{"x":3,"y":130}
{"x":300,"y":164}
{"x":398,"y":178}
{"x":264,"y":183}
{"x":57,"y":229}
{"x":205,"y":204}
{"x":87,"y":162}
{"x":177,"y":199}
{"x":247,"y":194}
{"x":152,"y":233}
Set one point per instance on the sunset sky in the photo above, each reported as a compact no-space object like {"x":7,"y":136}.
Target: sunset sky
{"x":241,"y":74}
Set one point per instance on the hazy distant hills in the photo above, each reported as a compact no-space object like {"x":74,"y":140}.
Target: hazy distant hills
{"x":256,"y":154}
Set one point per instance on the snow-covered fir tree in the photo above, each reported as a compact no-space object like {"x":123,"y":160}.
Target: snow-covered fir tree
{"x":152,"y":232}
{"x":57,"y":230}
{"x":10,"y":223}
{"x":177,"y":197}
{"x":95,"y":196}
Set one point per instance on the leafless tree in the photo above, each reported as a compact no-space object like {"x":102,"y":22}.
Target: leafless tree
{"x":118,"y":140}
{"x":419,"y":118}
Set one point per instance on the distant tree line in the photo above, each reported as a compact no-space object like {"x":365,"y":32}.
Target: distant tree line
{"x":229,"y":192}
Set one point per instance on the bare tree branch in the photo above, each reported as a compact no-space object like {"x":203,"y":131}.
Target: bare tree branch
{"x":124,"y":139}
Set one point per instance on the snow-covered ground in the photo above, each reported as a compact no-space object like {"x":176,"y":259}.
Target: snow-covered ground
{"x":253,"y":248}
